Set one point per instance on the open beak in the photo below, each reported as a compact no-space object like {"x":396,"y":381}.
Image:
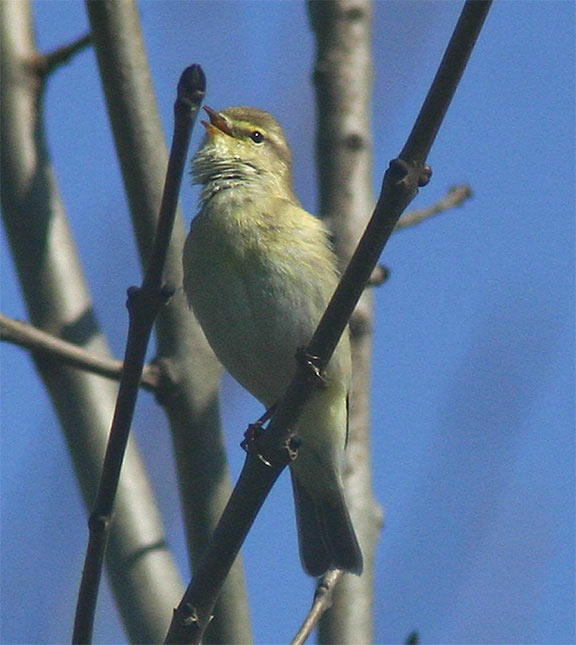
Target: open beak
{"x":218,"y":122}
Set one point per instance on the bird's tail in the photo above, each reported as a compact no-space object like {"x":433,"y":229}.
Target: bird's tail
{"x":325,"y":532}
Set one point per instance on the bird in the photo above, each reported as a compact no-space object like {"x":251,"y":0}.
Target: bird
{"x":259,"y":271}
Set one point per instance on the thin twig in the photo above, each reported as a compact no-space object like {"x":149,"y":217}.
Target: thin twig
{"x":456,"y":196}
{"x":274,"y":449}
{"x":46,"y":63}
{"x":40,"y":342}
{"x":322,"y":601}
{"x":143,"y":306}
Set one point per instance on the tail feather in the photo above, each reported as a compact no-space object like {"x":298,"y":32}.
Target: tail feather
{"x":325,"y":533}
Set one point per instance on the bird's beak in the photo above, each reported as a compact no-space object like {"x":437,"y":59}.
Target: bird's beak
{"x":218,"y":122}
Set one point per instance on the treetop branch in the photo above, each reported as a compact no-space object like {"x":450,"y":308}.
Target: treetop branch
{"x":446,"y":81}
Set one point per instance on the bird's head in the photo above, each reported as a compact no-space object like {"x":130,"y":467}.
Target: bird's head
{"x":244,"y":146}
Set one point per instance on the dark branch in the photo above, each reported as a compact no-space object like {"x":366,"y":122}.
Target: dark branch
{"x":263,"y":466}
{"x":143,"y":306}
{"x":446,"y":81}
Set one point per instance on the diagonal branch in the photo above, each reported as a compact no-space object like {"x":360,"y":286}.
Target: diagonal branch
{"x":276,"y":447}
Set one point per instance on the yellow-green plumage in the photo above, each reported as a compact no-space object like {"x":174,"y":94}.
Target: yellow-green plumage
{"x":259,"y":272}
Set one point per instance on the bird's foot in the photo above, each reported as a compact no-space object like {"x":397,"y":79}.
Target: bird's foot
{"x":254,"y":430}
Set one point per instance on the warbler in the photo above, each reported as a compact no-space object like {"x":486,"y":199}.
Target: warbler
{"x":258,"y":273}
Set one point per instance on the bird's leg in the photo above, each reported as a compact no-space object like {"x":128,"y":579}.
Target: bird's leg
{"x":254,"y":433}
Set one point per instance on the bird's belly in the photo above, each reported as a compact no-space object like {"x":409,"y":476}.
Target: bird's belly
{"x":254,"y":325}
{"x":259,"y":296}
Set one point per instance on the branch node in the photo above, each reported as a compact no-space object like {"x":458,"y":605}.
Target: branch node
{"x":98,"y":523}
{"x":141,"y":299}
{"x":254,"y":443}
{"x":167,"y":291}
{"x":354,"y":14}
{"x":166,"y":378}
{"x":398,"y":169}
{"x":379,"y":276}
{"x":45,"y":64}
{"x":251,"y":436}
{"x":190,"y":616}
{"x":360,"y":324}
{"x":425,"y":176}
{"x":354,"y":141}
{"x":254,"y":430}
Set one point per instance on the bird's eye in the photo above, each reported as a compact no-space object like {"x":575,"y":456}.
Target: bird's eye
{"x":257,"y":136}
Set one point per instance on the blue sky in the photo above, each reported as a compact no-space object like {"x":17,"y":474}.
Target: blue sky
{"x":473,"y":379}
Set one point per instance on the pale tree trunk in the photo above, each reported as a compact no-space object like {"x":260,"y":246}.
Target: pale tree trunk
{"x":343,"y":82}
{"x":143,"y":575}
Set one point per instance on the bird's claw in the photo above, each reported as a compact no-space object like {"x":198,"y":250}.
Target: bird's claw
{"x":310,"y":362}
{"x":249,"y":443}
{"x":254,"y":432}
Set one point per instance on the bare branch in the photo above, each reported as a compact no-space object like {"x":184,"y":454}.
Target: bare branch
{"x":50,"y":346}
{"x":322,"y":601}
{"x":46,"y":63}
{"x":272,"y":452}
{"x":143,"y":307}
{"x":456,"y":196}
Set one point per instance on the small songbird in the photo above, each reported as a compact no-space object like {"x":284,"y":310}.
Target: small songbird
{"x":258,"y":273}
